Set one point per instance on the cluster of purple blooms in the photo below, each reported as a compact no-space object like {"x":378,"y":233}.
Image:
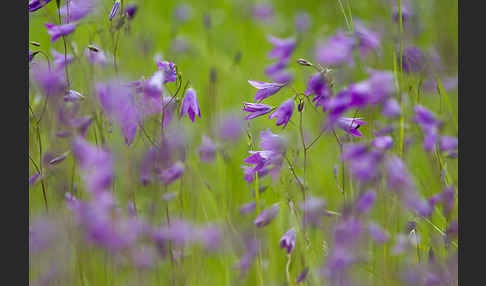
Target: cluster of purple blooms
{"x":376,"y":171}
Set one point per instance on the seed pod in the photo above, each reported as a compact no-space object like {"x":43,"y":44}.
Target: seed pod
{"x":304,"y":62}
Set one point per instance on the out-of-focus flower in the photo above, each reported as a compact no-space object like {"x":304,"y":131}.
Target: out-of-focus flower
{"x":210,"y":236}
{"x":131,"y":9}
{"x":317,"y":85}
{"x":368,"y":40}
{"x":57,"y":31}
{"x":413,"y":60}
{"x":230,"y":127}
{"x":247,"y":208}
{"x":382,"y":142}
{"x":282,"y":48}
{"x":351,"y":125}
{"x":283,"y":113}
{"x":406,"y":13}
{"x":363,"y":164}
{"x":377,"y":233}
{"x":190,"y":106}
{"x":95,"y":55}
{"x":117,"y":101}
{"x":78,"y":9}
{"x":95,"y":163}
{"x":73,"y":96}
{"x":51,"y":82}
{"x":391,"y":108}
{"x":35,"y":5}
{"x":207,"y":149}
{"x":262,"y":11}
{"x":60,"y":60}
{"x":366,"y":201}
{"x":265,"y":89}
{"x":173,"y":173}
{"x":313,"y":210}
{"x":183,"y":12}
{"x":375,"y":89}
{"x":33,"y":178}
{"x":448,"y":143}
{"x":429,"y":124}
{"x":302,"y":275}
{"x":337,"y":51}
{"x":266,"y":216}
{"x":288,"y":240}
{"x":302,"y":22}
{"x":256,"y":109}
{"x":169,"y":69}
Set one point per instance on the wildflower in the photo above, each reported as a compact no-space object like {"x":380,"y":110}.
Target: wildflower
{"x":337,"y":51}
{"x":230,"y":127}
{"x":35,"y":5}
{"x":265,"y":89}
{"x":317,"y":85}
{"x":302,"y":22}
{"x":207,"y":149}
{"x":302,"y":275}
{"x":288,"y":240}
{"x":382,"y":142}
{"x":33,"y":178}
{"x":73,"y":96}
{"x":391,"y":108}
{"x":362,"y":164}
{"x":313,"y":209}
{"x":406,"y":13}
{"x":262,"y":12}
{"x":368,"y":40}
{"x":251,"y":247}
{"x":247,"y":208}
{"x":182,"y":12}
{"x":351,"y":125}
{"x":172,"y":173}
{"x":266,"y":216}
{"x":60,"y":60}
{"x":282,"y":48}
{"x":169,"y":69}
{"x":95,"y":55}
{"x":57,"y":31}
{"x":256,"y":109}
{"x":131,"y":10}
{"x":78,"y":9}
{"x":448,"y":143}
{"x":114,"y":9}
{"x":430,"y":125}
{"x":190,"y":105}
{"x":377,"y":233}
{"x":378,"y":87}
{"x":448,"y":200}
{"x":413,"y":60}
{"x":210,"y":236}
{"x":366,"y":201}
{"x":271,"y":142}
{"x":283,"y":112}
{"x":347,"y":232}
{"x":51,"y":82}
{"x":118,"y":102}
{"x":95,"y":163}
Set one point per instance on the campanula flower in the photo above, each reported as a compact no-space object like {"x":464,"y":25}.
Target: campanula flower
{"x":207,"y":149}
{"x":169,"y":69}
{"x":114,"y":9}
{"x":288,"y":240}
{"x":256,"y":109}
{"x":368,"y":40}
{"x":266,"y":216}
{"x":317,"y":85}
{"x":377,"y":233}
{"x":57,"y":31}
{"x":190,"y":106}
{"x":313,"y":209}
{"x":282,"y":48}
{"x":351,"y":125}
{"x":131,"y":10}
{"x":247,"y":208}
{"x":172,"y":173}
{"x":35,"y":5}
{"x":59,"y":60}
{"x":337,"y":51}
{"x":413,"y":60}
{"x":448,"y":143}
{"x":51,"y":82}
{"x":302,"y":275}
{"x":302,"y":22}
{"x":366,"y":201}
{"x":265,"y":89}
{"x":78,"y":9}
{"x":382,"y":143}
{"x":283,"y":113}
{"x":391,"y":108}
{"x":262,"y":11}
{"x":94,"y":55}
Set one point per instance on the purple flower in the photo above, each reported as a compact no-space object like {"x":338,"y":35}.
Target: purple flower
{"x":378,"y":87}
{"x":337,"y":50}
{"x":317,"y":85}
{"x":406,"y":13}
{"x":51,"y":82}
{"x":313,"y":209}
{"x":256,"y":109}
{"x":271,"y":142}
{"x":282,"y":48}
{"x":351,"y":125}
{"x":172,"y":173}
{"x":59,"y":60}
{"x":362,"y":164}
{"x":210,"y":236}
{"x":169,"y":69}
{"x":73,"y":96}
{"x":35,"y":5}
{"x":183,"y":12}
{"x":114,"y":9}
{"x":78,"y":9}
{"x":302,"y":22}
{"x":131,"y":10}
{"x":230,"y":127}
{"x":368,"y":40}
{"x":382,"y":143}
{"x":425,"y":117}
{"x":247,"y":208}
{"x":95,"y":163}
{"x":413,"y":60}
{"x":377,"y":233}
{"x":302,"y":275}
{"x":265,"y":89}
{"x":448,"y":200}
{"x":288,"y":240}
{"x":347,"y":232}
{"x":118,"y":102}
{"x":262,"y":11}
{"x":33,"y":178}
{"x":57,"y":31}
{"x":366,"y":201}
{"x":391,"y":108}
{"x":283,"y":112}
{"x":448,"y":143}
{"x":207,"y":149}
{"x":266,"y":216}
{"x":95,"y":56}
{"x":251,"y":246}
{"x":190,"y":106}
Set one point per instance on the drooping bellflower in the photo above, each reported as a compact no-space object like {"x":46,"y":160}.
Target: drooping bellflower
{"x":190,"y":106}
{"x":283,"y":113}
{"x":265,"y":89}
{"x":61,"y":30}
{"x":288,"y":241}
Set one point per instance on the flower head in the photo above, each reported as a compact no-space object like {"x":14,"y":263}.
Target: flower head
{"x":190,"y":106}
{"x":283,"y":113}
{"x":172,"y":173}
{"x":413,"y":60}
{"x":256,"y":109}
{"x":169,"y":69}
{"x":265,"y":89}
{"x":95,"y":55}
{"x":351,"y":125}
{"x":57,"y":31}
{"x":288,"y":240}
{"x":337,"y":51}
{"x":60,"y":60}
{"x":35,"y":5}
{"x":282,"y":48}
{"x":368,"y":40}
{"x":302,"y":22}
{"x":114,"y":9}
{"x":366,"y":201}
{"x":207,"y":149}
{"x":266,"y":216}
{"x":131,"y":10}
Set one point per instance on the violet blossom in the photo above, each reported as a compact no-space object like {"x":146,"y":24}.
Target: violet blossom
{"x":283,"y":113}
